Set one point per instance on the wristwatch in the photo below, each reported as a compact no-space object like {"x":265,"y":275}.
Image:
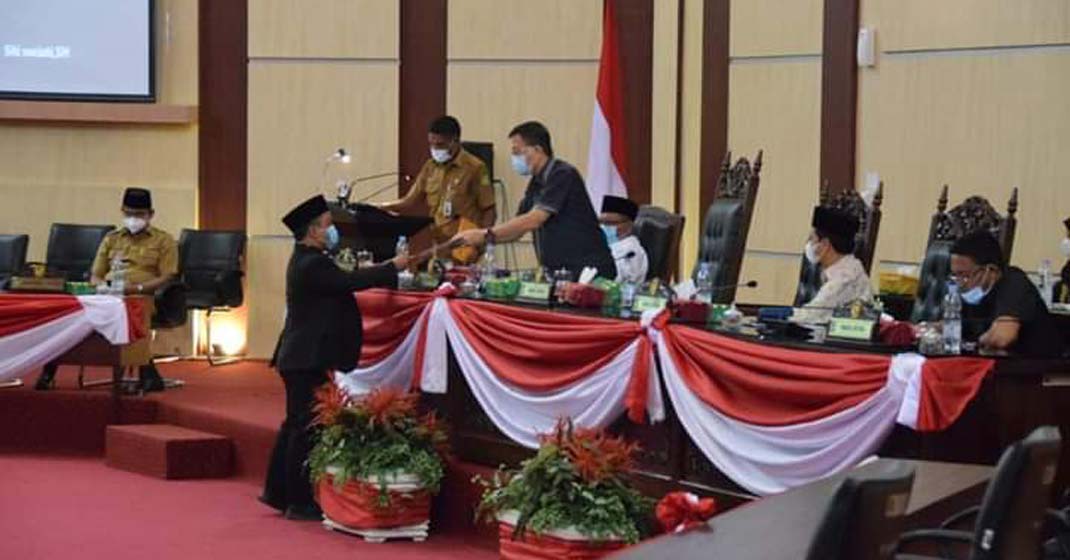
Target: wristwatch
{"x":488,"y":235}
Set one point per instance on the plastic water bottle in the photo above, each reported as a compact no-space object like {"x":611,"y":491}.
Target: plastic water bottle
{"x":1046,"y":288}
{"x":704,"y":282}
{"x":118,"y":276}
{"x":487,"y":267}
{"x":952,"y":324}
{"x":402,"y":248}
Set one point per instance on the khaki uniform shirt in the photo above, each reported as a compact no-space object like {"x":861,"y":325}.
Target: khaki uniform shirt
{"x":151,"y":253}
{"x":463,"y":181}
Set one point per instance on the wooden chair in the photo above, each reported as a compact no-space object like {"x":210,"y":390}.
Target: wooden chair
{"x":723,"y":238}
{"x":869,"y":219}
{"x":947,"y":226}
{"x":659,"y":233}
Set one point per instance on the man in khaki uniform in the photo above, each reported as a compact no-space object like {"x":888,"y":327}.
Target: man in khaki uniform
{"x":454,"y":184}
{"x":151,"y":257}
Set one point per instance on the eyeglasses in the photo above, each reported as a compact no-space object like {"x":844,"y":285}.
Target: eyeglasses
{"x":961,"y":277}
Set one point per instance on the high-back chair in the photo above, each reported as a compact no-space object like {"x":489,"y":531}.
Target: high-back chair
{"x":865,"y":516}
{"x":72,"y":248}
{"x":1009,"y":520}
{"x":12,"y":256}
{"x":973,"y":214}
{"x":726,"y":224}
{"x":659,"y":233}
{"x":211,"y":269}
{"x":869,"y":220}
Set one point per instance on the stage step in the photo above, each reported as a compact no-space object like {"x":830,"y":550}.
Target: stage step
{"x":167,"y":451}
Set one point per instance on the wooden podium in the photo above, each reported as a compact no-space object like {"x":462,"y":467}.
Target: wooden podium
{"x":365,"y":227}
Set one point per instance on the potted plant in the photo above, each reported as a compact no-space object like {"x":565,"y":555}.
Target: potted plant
{"x":375,"y":463}
{"x":570,"y":500}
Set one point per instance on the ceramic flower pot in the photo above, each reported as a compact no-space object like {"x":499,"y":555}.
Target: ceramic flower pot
{"x":560,"y":544}
{"x":359,"y":507}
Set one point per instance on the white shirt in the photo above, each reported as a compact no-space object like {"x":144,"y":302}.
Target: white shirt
{"x":629,"y":269}
{"x":842,"y":283}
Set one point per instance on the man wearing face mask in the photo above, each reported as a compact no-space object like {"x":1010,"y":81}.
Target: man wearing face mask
{"x":618,"y":222}
{"x":151,"y":257}
{"x":453,"y":185}
{"x":322,"y":333}
{"x":555,"y":207}
{"x":1002,"y":308}
{"x":831,"y":246}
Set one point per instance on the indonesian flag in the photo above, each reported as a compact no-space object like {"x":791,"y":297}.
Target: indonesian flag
{"x":608,"y":155}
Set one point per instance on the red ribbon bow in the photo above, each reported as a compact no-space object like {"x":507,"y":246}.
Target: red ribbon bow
{"x":681,"y":511}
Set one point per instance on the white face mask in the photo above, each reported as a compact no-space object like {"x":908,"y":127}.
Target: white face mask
{"x":440,"y":155}
{"x":1065,"y":247}
{"x":811,"y":252}
{"x":134,"y":224}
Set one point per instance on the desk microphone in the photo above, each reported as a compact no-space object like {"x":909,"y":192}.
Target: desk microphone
{"x":747,"y":284}
{"x":344,"y":199}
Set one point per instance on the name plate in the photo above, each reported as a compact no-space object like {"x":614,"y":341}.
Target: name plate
{"x":537,"y":292}
{"x":853,"y":329}
{"x":648,"y":303}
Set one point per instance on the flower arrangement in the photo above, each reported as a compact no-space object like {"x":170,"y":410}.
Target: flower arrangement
{"x":375,"y":437}
{"x":575,"y":482}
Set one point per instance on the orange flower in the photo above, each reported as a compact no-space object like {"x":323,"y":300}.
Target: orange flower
{"x":384,"y":405}
{"x":330,"y":401}
{"x":595,"y":455}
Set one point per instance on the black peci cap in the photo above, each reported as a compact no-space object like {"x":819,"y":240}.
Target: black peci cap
{"x":137,"y":198}
{"x":620,"y":205}
{"x":834,"y":222}
{"x":304,"y":213}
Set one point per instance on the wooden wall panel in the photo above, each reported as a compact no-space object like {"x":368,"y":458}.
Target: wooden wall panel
{"x":176,"y":52}
{"x":323,"y":28}
{"x":518,"y":29}
{"x":947,"y":24}
{"x":980,"y":123}
{"x":300,"y":112}
{"x":777,"y":275}
{"x":775,"y":27}
{"x":665,"y":103}
{"x":266,"y":261}
{"x":690,"y":117}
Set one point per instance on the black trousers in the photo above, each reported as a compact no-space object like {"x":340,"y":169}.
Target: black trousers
{"x":287,"y":481}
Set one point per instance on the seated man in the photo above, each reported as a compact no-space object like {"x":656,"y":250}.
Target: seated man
{"x":618,"y":222}
{"x":1002,"y":309}
{"x":1062,"y":287}
{"x":555,"y":207}
{"x":151,"y":256}
{"x":844,"y":280}
{"x":453,"y":185}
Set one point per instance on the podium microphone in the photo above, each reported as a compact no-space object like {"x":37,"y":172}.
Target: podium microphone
{"x":346,"y":189}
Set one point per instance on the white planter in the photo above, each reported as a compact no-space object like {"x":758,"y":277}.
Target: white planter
{"x":510,"y":517}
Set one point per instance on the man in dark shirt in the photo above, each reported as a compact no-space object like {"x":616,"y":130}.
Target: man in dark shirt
{"x":1002,"y":309}
{"x":555,"y":207}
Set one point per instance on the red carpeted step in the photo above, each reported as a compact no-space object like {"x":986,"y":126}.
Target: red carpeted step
{"x":167,"y":451}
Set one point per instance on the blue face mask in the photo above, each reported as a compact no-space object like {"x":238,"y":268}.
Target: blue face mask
{"x":611,"y":234}
{"x":520,"y":165}
{"x":974,"y":295}
{"x":332,"y":238}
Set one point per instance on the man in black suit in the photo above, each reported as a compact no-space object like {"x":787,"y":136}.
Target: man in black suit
{"x":322,"y":333}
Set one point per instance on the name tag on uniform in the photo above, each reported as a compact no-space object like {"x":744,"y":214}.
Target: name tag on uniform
{"x":645,"y":303}
{"x":852,"y":329}
{"x":534,"y":292}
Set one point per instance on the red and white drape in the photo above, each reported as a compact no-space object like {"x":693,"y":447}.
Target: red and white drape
{"x":35,"y":329}
{"x":770,"y":418}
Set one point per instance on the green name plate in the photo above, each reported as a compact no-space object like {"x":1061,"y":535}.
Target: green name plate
{"x":854,"y":329}
{"x":534,"y":291}
{"x":648,"y":303}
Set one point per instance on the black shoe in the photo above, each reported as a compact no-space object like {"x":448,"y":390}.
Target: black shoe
{"x":46,"y":381}
{"x":304,"y":513}
{"x":150,"y":384}
{"x":271,"y":504}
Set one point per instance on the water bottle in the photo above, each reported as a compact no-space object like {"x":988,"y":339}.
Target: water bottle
{"x":1045,"y":287}
{"x":704,"y":282}
{"x":952,"y":324}
{"x":487,"y":268}
{"x":118,"y":276}
{"x":402,"y":248}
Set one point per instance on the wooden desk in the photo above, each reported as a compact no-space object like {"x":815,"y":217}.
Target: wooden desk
{"x":781,"y":526}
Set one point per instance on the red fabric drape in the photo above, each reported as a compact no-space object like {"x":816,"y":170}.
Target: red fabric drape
{"x":135,"y":318}
{"x":770,"y":386}
{"x":20,"y":312}
{"x":539,"y":351}
{"x":388,"y":317}
{"x":356,"y":505}
{"x":948,"y":385}
{"x":542,"y":547}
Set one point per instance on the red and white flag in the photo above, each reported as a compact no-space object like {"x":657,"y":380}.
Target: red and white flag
{"x":607,"y":158}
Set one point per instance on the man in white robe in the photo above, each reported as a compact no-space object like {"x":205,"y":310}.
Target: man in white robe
{"x":618,"y":223}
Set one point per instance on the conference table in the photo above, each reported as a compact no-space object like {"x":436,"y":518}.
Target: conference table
{"x":1015,"y":395}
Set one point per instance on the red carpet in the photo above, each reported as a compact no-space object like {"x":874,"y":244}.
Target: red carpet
{"x":73,"y":504}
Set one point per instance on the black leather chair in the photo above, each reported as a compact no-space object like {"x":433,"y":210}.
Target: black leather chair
{"x":869,"y":219}
{"x":72,"y":248}
{"x":1008,"y":522}
{"x":210,"y":263}
{"x":865,"y":516}
{"x":659,"y":233}
{"x":723,"y":238}
{"x":12,"y":256}
{"x":973,"y":214}
{"x":484,"y":151}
